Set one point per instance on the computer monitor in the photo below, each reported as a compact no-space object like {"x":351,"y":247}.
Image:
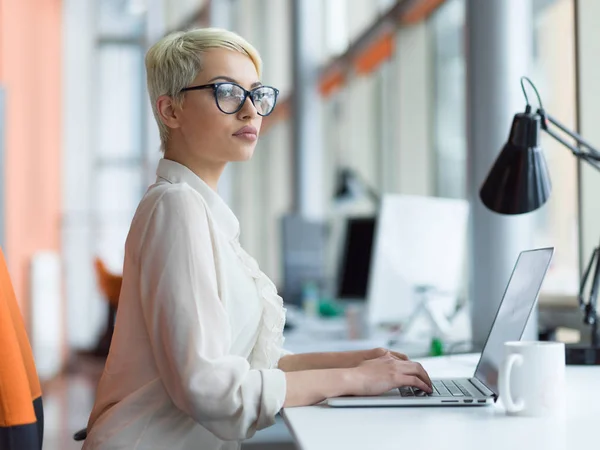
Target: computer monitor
{"x":355,"y":258}
{"x":302,"y":246}
{"x":420,"y":243}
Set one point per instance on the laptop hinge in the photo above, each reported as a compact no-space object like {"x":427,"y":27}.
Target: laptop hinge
{"x":483,"y":388}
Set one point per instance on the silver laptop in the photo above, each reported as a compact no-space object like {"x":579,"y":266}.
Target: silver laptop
{"x":516,"y":306}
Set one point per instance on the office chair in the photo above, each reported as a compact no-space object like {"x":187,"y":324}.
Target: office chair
{"x":21,"y":409}
{"x":110,"y":284}
{"x":110,"y":287}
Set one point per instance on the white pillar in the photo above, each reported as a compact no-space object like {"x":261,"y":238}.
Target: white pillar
{"x":85,"y":309}
{"x":499,"y":48}
{"x":309,"y":196}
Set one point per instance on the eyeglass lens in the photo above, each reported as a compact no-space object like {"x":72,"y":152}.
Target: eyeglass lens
{"x":231,"y":96}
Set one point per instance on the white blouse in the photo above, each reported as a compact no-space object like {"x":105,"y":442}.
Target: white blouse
{"x":198,"y":332}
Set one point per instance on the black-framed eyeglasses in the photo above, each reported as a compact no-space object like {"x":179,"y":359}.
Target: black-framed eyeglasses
{"x":230,"y":97}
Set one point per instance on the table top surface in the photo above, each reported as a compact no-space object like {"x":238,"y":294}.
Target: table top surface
{"x":323,"y":427}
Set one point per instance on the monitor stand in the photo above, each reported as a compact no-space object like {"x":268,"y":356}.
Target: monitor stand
{"x":440,"y":324}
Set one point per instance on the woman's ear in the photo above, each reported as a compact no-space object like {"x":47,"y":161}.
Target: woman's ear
{"x":167,"y":110}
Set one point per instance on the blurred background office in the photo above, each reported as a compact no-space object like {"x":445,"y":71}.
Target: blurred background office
{"x":377,"y":97}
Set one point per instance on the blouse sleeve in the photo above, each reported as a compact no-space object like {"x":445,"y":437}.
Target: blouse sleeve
{"x":189,"y":328}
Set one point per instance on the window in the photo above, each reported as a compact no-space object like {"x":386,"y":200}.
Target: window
{"x":553,"y":72}
{"x":554,"y":76}
{"x":450,"y":140}
{"x":118,"y":176}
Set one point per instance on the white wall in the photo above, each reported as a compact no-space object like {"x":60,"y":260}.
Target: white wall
{"x":178,"y":12}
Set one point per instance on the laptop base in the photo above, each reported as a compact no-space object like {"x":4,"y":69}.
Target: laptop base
{"x":394,"y":398}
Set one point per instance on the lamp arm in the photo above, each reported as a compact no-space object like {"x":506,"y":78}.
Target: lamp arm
{"x":592,"y":155}
{"x":367,"y":187}
{"x":374,"y":195}
{"x":587,"y":157}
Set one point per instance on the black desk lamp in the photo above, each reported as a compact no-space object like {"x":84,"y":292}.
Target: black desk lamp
{"x":348,"y":182}
{"x":519,"y":182}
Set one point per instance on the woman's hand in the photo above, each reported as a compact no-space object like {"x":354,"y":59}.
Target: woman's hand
{"x":386,"y":372}
{"x":372,"y":376}
{"x":375,"y":353}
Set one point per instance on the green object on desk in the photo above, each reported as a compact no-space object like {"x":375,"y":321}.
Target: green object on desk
{"x":328,"y":308}
{"x":437,"y":347}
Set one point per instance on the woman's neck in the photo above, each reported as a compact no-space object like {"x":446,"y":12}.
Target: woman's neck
{"x":208,"y":171}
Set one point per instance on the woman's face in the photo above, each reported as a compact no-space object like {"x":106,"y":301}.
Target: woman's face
{"x":214,"y":136}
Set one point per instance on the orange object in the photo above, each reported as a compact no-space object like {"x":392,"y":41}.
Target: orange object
{"x":110,"y":284}
{"x":20,"y":391}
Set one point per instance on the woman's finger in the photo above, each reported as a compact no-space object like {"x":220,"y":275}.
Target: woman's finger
{"x":417,"y":370}
{"x":415,"y":381}
{"x":400,"y":356}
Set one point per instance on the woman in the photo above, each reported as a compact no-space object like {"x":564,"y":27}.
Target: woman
{"x":196,"y":360}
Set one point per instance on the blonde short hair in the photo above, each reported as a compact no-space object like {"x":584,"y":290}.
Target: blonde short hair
{"x":175,"y":61}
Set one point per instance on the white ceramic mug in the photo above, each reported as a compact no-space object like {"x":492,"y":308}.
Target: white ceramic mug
{"x":532,"y":378}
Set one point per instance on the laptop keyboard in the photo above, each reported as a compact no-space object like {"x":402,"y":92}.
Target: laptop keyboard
{"x":442,"y":388}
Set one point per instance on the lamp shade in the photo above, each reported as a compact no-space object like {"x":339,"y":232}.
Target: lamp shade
{"x":518,"y":182}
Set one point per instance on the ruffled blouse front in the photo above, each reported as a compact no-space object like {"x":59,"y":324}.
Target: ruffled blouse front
{"x":269,"y":344}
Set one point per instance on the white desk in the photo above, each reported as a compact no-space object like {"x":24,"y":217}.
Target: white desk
{"x":464,"y":428}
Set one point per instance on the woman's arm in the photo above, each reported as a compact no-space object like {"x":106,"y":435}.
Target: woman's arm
{"x":332,"y":360}
{"x":370,"y":377}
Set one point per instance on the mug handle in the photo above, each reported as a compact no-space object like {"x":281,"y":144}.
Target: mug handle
{"x":512,"y":407}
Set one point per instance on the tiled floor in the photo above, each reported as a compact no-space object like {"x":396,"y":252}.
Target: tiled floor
{"x":69,"y":399}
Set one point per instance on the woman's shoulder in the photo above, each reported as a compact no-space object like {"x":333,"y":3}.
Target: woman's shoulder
{"x":178,"y":200}
{"x":171,"y":196}
{"x":167,"y":208}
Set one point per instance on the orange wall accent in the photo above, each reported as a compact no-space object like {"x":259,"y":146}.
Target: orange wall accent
{"x":420,"y":10}
{"x":30,"y":70}
{"x":376,"y":53}
{"x":331,"y":81}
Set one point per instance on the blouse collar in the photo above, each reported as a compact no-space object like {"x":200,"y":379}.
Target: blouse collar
{"x":173,"y":172}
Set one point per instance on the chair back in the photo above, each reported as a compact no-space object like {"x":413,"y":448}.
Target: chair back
{"x":21,"y":409}
{"x":109,"y":283}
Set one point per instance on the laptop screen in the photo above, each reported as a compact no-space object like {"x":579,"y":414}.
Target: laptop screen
{"x":518,"y":301}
